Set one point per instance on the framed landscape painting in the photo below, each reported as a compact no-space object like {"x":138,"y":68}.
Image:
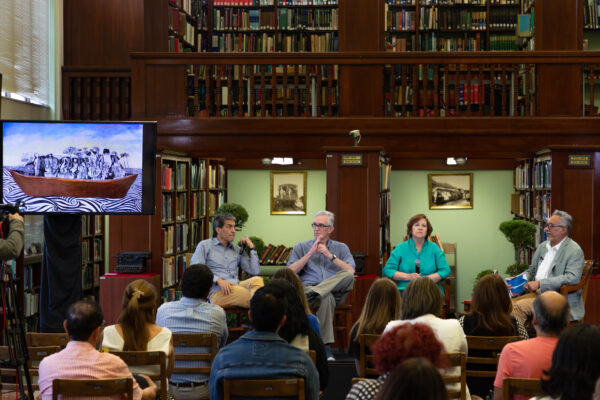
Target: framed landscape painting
{"x":288,"y":192}
{"x":450,"y":191}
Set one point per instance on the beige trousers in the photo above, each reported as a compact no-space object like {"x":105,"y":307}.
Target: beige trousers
{"x":523,"y":306}
{"x":240,"y":294}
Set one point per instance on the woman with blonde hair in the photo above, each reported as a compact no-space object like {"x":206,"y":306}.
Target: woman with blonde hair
{"x":136,"y":330}
{"x":382,"y":305}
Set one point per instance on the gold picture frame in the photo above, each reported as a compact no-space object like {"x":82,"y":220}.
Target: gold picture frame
{"x":288,"y":192}
{"x":450,"y":191}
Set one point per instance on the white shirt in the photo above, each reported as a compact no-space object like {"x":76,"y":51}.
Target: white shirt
{"x":544,"y":268}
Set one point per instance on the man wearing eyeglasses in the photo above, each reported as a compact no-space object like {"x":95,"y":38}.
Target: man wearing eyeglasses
{"x":326,"y":268}
{"x":557,"y":261}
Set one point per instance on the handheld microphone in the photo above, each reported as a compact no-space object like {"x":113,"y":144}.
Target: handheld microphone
{"x":417,"y":264}
{"x":243,"y":246}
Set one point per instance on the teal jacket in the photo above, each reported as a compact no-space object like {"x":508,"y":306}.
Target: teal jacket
{"x":403,"y":259}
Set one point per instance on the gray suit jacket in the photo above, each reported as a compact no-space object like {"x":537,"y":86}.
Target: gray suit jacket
{"x":565,"y":270}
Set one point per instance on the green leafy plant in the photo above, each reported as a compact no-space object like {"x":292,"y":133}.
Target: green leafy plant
{"x":521,"y":234}
{"x":480,"y":275}
{"x":259,"y":244}
{"x":238,"y":211}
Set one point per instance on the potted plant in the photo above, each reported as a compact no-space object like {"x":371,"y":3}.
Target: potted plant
{"x":238,"y":211}
{"x":521,"y":234}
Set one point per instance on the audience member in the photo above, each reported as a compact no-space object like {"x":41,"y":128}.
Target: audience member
{"x":192,"y":314}
{"x":297,"y":331}
{"x":223,"y":257}
{"x":262,"y":353}
{"x":382,"y":305}
{"x":529,"y":358}
{"x":292,"y":277}
{"x":80,"y":359}
{"x":326,"y":268}
{"x":392,"y":348}
{"x":489,"y":316}
{"x":135,"y":329}
{"x":415,"y":379}
{"x":422,"y":302}
{"x":575,"y":364}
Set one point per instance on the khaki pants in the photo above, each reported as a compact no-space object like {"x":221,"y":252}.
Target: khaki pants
{"x":240,"y":294}
{"x":523,"y":306}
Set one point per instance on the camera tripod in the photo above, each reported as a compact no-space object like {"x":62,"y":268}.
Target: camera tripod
{"x":14,"y":332}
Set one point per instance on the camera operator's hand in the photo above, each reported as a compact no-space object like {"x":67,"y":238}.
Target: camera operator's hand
{"x":15,"y":215}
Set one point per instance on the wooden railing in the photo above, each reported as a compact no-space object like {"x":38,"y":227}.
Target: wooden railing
{"x":198,"y":85}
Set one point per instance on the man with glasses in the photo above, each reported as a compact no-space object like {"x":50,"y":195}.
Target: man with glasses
{"x":326,"y":268}
{"x":223,"y":257}
{"x":557,"y":261}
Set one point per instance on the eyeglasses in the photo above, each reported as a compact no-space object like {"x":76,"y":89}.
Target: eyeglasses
{"x":320,"y":226}
{"x":550,"y":226}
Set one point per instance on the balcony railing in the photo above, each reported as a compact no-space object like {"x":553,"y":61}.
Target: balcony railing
{"x":205,"y":85}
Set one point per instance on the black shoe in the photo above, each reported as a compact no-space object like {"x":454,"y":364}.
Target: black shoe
{"x":314,"y":301}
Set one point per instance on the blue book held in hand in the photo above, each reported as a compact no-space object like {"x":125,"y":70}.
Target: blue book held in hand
{"x":517,"y":283}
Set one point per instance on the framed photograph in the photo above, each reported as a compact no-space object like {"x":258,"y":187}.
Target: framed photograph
{"x":450,"y":191}
{"x":288,"y":192}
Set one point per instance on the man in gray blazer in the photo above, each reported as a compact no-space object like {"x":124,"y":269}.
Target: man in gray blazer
{"x":557,"y":261}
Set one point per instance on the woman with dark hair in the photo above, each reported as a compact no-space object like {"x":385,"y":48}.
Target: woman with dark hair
{"x":382,"y":305}
{"x":401,"y":343}
{"x":136,"y":329}
{"x":294,"y":279}
{"x":575,"y":364}
{"x":422,"y":302}
{"x":297,"y":331}
{"x":415,"y":379}
{"x":417,"y":256}
{"x":490,"y":316}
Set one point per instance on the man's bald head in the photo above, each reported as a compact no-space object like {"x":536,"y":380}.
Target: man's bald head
{"x":551,"y":310}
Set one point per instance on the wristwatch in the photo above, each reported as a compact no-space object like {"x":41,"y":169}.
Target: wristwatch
{"x":333,"y":257}
{"x":251,"y":248}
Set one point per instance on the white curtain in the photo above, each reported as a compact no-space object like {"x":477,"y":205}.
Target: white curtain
{"x":24,"y":48}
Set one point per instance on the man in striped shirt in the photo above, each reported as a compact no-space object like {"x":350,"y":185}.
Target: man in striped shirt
{"x":192,"y":314}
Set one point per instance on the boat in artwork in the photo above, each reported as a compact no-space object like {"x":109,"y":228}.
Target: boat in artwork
{"x":40,"y":186}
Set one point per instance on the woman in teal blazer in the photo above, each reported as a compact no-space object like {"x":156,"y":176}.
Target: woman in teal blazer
{"x":417,"y":256}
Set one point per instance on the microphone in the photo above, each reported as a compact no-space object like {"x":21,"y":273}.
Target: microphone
{"x":417,"y":264}
{"x":243,"y":246}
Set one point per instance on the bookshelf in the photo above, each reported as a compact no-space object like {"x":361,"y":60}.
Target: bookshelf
{"x":92,"y":254}
{"x":450,"y":25}
{"x":185,"y":25}
{"x":32,"y":271}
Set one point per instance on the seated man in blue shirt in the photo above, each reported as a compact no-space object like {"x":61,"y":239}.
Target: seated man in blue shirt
{"x":223,"y":257}
{"x":326,"y":268}
{"x":262,"y":353}
{"x":192,"y":314}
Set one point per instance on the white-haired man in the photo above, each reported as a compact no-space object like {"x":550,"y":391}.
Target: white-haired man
{"x":326,"y":268}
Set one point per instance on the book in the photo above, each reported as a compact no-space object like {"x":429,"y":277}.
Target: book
{"x":265,"y":255}
{"x":517,"y":284}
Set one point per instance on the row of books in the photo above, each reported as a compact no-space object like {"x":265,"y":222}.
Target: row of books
{"x":31,"y":304}
{"x":398,"y":43}
{"x":542,"y":174}
{"x":462,"y":19}
{"x":170,"y":294}
{"x":93,"y":252}
{"x":467,"y":2}
{"x":308,"y":2}
{"x":86,"y":224}
{"x":90,"y":276}
{"x":503,"y":42}
{"x":400,"y":20}
{"x":542,"y":206}
{"x":181,"y":176}
{"x":167,"y":207}
{"x":591,"y":12}
{"x":215,"y":200}
{"x":275,"y":255}
{"x":216,"y":176}
{"x":182,"y":238}
{"x":198,"y":204}
{"x":266,"y":42}
{"x":197,"y":233}
{"x":466,"y":43}
{"x":523,"y":176}
{"x":309,"y":19}
{"x":180,"y":26}
{"x":243,"y":20}
{"x":224,"y":72}
{"x":168,"y":235}
{"x":198,"y":171}
{"x":167,"y":177}
{"x":505,"y":18}
{"x":176,"y":45}
{"x":181,"y":206}
{"x":173,"y":268}
{"x":189,"y":6}
{"x":229,"y":3}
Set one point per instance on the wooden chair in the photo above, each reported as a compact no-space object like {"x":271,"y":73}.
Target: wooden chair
{"x":251,"y":388}
{"x":47,"y":339}
{"x":313,"y":356}
{"x":239,"y":328}
{"x":491,"y":344}
{"x":365,"y":341}
{"x":457,"y":360}
{"x":524,"y":386}
{"x":195,"y":340}
{"x":36,"y":354}
{"x":92,"y":387}
{"x":342,"y":324}
{"x":583,"y":282}
{"x":148,"y":358}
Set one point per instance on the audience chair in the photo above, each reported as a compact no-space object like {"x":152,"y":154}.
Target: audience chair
{"x":148,"y":358}
{"x":239,"y":328}
{"x":92,"y":387}
{"x":47,"y":339}
{"x":257,"y":388}
{"x":36,"y":354}
{"x":313,"y":356}
{"x":583,"y":282}
{"x":492,"y":344}
{"x":523,"y":386}
{"x":342,"y":324}
{"x":457,"y":360}
{"x":365,"y":341}
{"x":208,"y":340}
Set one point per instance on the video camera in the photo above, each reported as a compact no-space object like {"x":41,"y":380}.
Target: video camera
{"x":6,"y":209}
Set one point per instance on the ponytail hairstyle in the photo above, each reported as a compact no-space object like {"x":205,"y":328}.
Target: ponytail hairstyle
{"x":138,"y":309}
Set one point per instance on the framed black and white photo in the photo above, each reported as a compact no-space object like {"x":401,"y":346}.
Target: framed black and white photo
{"x":450,"y":191}
{"x":288,"y":192}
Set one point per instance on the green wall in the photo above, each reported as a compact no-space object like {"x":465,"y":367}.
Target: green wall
{"x":480,"y":245}
{"x":251,"y":188}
